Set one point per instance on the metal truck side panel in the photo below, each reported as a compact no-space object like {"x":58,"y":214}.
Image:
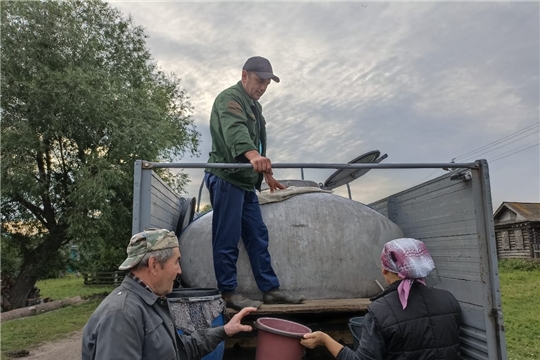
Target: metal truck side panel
{"x":453,"y":217}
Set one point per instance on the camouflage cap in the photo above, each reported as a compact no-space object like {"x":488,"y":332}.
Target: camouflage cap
{"x":146,"y":241}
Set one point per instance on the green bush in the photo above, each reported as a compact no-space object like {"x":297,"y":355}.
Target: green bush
{"x":519,"y":264}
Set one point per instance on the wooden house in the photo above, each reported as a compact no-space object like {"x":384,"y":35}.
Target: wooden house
{"x":517,"y":228}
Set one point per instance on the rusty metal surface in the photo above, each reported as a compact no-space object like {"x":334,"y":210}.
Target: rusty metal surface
{"x":313,"y":307}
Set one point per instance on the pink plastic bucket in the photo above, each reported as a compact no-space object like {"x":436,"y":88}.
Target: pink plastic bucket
{"x":279,"y":339}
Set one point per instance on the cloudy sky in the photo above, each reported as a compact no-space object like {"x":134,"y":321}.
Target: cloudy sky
{"x":421,"y":82}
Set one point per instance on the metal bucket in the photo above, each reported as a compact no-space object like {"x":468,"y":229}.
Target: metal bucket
{"x":355,"y":325}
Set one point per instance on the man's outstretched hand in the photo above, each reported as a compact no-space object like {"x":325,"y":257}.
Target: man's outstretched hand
{"x":235,"y":325}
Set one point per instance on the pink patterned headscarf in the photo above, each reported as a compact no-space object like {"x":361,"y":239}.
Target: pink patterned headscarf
{"x":410,"y":259}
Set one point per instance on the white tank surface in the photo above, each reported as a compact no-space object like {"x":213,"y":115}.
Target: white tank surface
{"x":322,"y":245}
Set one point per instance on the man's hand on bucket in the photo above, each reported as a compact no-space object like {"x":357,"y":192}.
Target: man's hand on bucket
{"x":235,"y":325}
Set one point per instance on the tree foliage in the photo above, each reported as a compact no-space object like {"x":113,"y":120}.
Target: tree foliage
{"x":82,"y":99}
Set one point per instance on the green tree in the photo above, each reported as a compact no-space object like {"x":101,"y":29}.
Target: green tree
{"x":206,"y":208}
{"x":82,"y":99}
{"x":10,"y":260}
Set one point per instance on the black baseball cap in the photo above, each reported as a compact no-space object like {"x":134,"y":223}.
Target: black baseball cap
{"x":261,"y":67}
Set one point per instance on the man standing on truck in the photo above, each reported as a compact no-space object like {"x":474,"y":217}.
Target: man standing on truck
{"x":238,"y":134}
{"x":408,"y":320}
{"x":135,"y":322}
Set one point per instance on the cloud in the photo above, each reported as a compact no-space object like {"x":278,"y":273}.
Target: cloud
{"x":423,"y":82}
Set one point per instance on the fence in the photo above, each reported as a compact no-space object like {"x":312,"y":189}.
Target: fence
{"x":104,"y":278}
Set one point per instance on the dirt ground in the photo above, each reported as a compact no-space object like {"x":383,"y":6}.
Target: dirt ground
{"x":65,"y":349}
{"x":70,"y":349}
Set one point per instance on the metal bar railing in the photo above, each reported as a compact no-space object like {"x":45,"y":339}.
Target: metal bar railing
{"x":474,"y":165}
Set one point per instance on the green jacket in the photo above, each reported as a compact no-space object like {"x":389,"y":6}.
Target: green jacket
{"x":235,"y":130}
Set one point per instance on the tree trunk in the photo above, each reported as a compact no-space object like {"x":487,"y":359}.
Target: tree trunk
{"x":35,"y":261}
{"x":39,"y":309}
{"x":26,"y":280}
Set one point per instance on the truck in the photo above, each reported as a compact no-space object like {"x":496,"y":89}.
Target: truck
{"x":452,"y":214}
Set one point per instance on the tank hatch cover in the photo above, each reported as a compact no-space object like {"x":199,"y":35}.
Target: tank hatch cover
{"x":345,"y":176}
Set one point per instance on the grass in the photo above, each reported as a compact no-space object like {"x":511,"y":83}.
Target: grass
{"x":520,"y":288}
{"x":519,"y":264}
{"x":30,"y":332}
{"x":69,"y":286}
{"x":520,"y":291}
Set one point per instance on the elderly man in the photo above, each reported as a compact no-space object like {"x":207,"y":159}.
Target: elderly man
{"x":408,"y":320}
{"x":135,"y":322}
{"x":238,"y":134}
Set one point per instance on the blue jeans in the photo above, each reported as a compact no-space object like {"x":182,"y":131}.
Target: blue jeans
{"x":236,"y":214}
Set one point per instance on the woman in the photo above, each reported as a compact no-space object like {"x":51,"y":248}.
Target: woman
{"x":408,"y":320}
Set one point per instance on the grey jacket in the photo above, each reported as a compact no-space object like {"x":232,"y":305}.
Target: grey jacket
{"x":133,"y":323}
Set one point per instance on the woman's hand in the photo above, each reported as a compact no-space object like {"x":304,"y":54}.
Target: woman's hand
{"x":314,"y":339}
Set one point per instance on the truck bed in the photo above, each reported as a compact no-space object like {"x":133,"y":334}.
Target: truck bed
{"x":452,"y":214}
{"x":312,"y":307}
{"x":328,"y":315}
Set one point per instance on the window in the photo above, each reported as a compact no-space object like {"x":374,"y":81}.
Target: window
{"x":505,"y":240}
{"x":519,"y":239}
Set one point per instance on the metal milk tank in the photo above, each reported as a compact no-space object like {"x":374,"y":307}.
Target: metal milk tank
{"x":322,"y":245}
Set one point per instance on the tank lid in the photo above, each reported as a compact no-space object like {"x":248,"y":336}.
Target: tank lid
{"x":345,"y":176}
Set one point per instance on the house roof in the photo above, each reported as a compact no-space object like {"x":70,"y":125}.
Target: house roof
{"x":519,"y":212}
